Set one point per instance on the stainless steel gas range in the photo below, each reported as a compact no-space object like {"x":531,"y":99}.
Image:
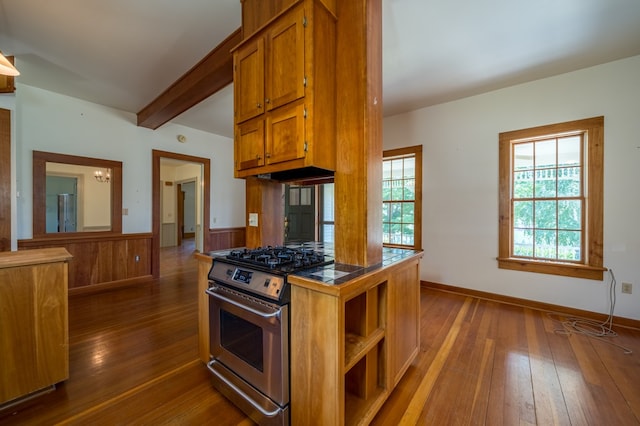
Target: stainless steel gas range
{"x":249,"y":326}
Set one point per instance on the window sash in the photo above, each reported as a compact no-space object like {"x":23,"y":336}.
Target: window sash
{"x":402,"y":195}
{"x":592,"y":202}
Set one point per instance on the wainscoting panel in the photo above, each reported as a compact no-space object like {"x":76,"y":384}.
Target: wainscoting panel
{"x":224,"y":238}
{"x":101,"y":261}
{"x":168,"y":235}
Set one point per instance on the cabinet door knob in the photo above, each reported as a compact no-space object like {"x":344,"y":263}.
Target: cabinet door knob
{"x":268,"y":155}
{"x":266,"y":101}
{"x":258,"y":105}
{"x":258,"y":157}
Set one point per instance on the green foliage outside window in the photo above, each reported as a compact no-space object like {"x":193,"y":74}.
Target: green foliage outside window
{"x":547,"y":199}
{"x":398,"y":197}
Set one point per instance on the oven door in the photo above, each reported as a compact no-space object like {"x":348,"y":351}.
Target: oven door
{"x":251,"y":338}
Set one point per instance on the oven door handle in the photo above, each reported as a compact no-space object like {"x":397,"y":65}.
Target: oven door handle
{"x":266,"y":315}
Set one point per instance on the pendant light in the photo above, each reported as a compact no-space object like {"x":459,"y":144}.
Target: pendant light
{"x":7,"y":68}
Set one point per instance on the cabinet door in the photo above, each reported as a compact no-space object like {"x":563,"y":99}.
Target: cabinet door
{"x":34,"y":351}
{"x":248,"y":80}
{"x":250,"y":144}
{"x":285,"y":134}
{"x":403,"y":322}
{"x":285,"y":60}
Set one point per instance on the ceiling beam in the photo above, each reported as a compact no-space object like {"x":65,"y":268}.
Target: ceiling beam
{"x":212,"y":73}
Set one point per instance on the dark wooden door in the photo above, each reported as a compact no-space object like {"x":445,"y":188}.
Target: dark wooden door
{"x":300,"y":213}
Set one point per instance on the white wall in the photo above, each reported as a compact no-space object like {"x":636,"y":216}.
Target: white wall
{"x":460,"y":182}
{"x":47,"y":121}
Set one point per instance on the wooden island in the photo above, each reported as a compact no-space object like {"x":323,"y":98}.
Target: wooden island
{"x":353,"y":336}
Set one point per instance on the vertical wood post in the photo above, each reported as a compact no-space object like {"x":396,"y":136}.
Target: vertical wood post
{"x":358,"y":178}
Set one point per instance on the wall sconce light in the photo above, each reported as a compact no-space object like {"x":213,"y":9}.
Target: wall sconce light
{"x":103,"y":178}
{"x":7,"y":68}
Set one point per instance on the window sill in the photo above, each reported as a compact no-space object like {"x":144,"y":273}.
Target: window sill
{"x":553,"y":268}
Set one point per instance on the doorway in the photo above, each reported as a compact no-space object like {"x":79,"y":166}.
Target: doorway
{"x":202,"y":183}
{"x":187,"y":210}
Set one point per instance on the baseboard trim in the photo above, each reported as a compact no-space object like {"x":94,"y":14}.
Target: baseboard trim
{"x":541,"y":306}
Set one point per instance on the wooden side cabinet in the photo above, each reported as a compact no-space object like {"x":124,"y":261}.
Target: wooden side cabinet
{"x":284,"y":93}
{"x":352,"y":343}
{"x":34,"y":337}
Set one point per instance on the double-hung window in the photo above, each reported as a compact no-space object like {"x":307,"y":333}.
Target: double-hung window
{"x":402,"y":197}
{"x":551,"y":201}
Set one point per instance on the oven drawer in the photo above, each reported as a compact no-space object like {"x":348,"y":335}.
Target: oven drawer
{"x":258,"y":407}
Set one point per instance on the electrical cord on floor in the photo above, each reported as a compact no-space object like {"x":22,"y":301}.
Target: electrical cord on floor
{"x":595,"y":329}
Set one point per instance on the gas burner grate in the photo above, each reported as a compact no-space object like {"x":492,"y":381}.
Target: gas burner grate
{"x":281,"y":258}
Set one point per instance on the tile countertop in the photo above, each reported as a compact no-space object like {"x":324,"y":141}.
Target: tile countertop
{"x":338,"y":273}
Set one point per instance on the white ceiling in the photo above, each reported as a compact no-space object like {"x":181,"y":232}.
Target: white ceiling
{"x":124,"y":53}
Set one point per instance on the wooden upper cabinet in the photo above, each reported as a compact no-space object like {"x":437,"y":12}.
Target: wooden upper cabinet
{"x":249,"y":144}
{"x":285,"y":60}
{"x":249,"y":80}
{"x":285,"y":130}
{"x":284,"y":88}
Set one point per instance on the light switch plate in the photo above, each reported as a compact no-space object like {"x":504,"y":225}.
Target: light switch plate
{"x":253,"y":219}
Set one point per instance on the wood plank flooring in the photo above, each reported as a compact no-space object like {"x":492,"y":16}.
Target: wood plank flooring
{"x":133,"y":361}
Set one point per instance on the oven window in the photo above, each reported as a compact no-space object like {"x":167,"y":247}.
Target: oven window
{"x":242,"y":338}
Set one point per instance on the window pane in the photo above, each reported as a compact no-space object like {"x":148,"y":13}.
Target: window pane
{"x":523,"y":242}
{"x":327,"y":202}
{"x":523,"y":184}
{"x":396,"y":169}
{"x":396,"y":212}
{"x":386,"y":170}
{"x":386,"y":190}
{"x":305,"y":196}
{"x":395,"y":231}
{"x":523,"y":214}
{"x":545,"y":214}
{"x":397,"y":190}
{"x":523,"y":153}
{"x":407,"y":235}
{"x":569,"y":245}
{"x":569,"y":182}
{"x":385,"y":213}
{"x":569,"y":150}
{"x":409,"y":189}
{"x":294,"y":196}
{"x":545,"y":184}
{"x":569,"y":214}
{"x":409,"y":167}
{"x":545,"y":244}
{"x":407,"y":212}
{"x":545,"y":154}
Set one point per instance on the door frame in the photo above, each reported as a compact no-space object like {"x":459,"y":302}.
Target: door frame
{"x":5,"y":181}
{"x":155,"y":202}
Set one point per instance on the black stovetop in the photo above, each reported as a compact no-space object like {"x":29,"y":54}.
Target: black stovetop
{"x":279,"y":259}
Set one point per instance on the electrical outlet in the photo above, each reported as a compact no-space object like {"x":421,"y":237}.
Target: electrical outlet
{"x":627,"y":288}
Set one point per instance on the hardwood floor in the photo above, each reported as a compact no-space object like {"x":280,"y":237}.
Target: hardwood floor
{"x":133,"y":360}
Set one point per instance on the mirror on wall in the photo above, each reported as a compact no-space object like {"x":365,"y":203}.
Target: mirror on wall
{"x":73,"y":194}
